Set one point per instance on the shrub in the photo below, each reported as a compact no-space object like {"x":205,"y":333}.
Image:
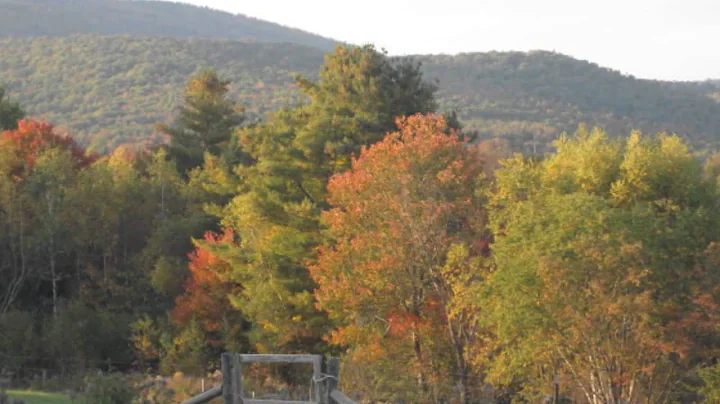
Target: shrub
{"x":711,"y":380}
{"x":108,"y":389}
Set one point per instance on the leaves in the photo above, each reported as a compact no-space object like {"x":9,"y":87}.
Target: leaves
{"x":362,"y":224}
{"x":281,"y":188}
{"x":23,"y":146}
{"x":10,"y":112}
{"x":205,"y":298}
{"x":204,"y":123}
{"x":592,"y":258}
{"x":395,"y":269}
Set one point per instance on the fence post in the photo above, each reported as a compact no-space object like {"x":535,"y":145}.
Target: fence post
{"x":333,"y":377}
{"x":237,"y":380}
{"x":317,"y":378}
{"x":227,"y":385}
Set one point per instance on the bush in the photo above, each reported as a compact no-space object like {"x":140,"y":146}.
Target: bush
{"x":108,"y":389}
{"x":185,"y":352}
{"x":18,"y":341}
{"x":80,"y":333}
{"x":711,"y":383}
{"x":177,"y":388}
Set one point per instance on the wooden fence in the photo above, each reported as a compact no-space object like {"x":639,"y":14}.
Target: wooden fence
{"x":324,"y":384}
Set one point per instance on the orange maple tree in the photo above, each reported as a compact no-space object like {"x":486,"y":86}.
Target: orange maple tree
{"x":206,"y":290}
{"x":397,"y":214}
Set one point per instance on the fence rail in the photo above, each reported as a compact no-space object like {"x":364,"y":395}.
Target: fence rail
{"x":339,"y":398}
{"x":206,"y":396}
{"x":231,"y":390}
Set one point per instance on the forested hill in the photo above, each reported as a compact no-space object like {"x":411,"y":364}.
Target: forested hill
{"x":537,"y":94}
{"x":108,"y":90}
{"x":22,"y":18}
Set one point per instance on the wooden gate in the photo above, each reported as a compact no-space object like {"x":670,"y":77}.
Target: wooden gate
{"x":324,"y":384}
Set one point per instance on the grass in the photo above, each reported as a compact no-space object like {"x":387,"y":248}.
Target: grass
{"x":38,"y":397}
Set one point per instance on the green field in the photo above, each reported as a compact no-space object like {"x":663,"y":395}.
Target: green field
{"x":38,"y":397}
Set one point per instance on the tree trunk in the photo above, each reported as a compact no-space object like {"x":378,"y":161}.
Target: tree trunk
{"x":462,"y":376}
{"x":419,"y":355}
{"x":54,"y":276}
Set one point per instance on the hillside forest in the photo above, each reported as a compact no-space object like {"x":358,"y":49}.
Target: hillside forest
{"x":361,"y":221}
{"x":110,"y":90}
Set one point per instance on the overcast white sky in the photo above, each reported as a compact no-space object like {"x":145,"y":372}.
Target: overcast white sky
{"x":664,"y":39}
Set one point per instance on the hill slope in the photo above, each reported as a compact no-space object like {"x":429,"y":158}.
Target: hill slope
{"x":22,"y":18}
{"x":111,"y":89}
{"x":538,"y":94}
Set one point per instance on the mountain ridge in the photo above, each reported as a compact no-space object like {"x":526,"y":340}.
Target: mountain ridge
{"x":109,"y":90}
{"x":143,"y":17}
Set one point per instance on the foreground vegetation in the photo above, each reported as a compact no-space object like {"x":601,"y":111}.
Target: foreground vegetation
{"x":364,"y":224}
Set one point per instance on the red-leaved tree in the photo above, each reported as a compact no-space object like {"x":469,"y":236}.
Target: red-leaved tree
{"x":30,"y":139}
{"x":205,"y":299}
{"x":404,"y":227}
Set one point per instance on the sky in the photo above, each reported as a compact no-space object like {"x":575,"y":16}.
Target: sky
{"x":658,"y":39}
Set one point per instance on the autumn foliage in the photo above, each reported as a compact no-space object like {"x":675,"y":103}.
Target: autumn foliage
{"x":396,"y":216}
{"x":605,"y":268}
{"x":206,"y":291}
{"x":32,"y":137}
{"x":362,"y":225}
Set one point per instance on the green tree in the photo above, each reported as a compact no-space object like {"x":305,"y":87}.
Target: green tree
{"x":205,"y":122}
{"x":10,"y":112}
{"x":355,"y":103}
{"x":47,"y":186}
{"x":111,"y":201}
{"x":15,"y":270}
{"x":37,"y":166}
{"x":280,"y":194}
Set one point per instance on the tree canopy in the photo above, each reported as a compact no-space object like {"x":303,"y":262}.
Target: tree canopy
{"x":599,"y":249}
{"x":205,"y":122}
{"x":359,"y":222}
{"x":392,"y":275}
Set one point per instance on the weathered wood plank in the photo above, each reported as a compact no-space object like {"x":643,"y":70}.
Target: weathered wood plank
{"x":237,"y":380}
{"x":267,"y":358}
{"x":254,"y":401}
{"x":340,"y":398}
{"x":227,"y":384}
{"x":206,"y":396}
{"x":317,"y":379}
{"x":333,"y":378}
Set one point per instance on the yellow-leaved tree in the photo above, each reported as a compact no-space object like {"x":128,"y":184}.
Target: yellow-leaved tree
{"x":605,"y":268}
